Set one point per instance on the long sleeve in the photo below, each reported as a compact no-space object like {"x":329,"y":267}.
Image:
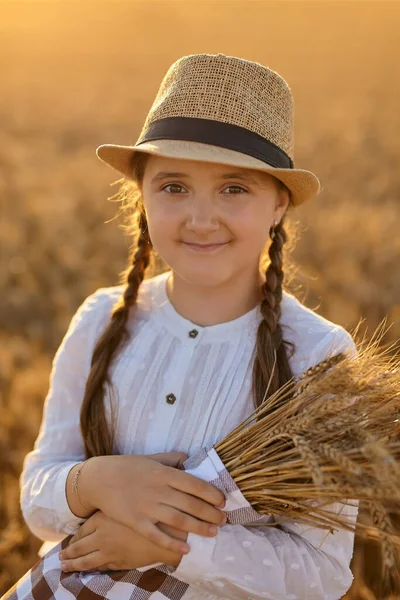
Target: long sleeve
{"x":291,"y":562}
{"x":59,"y":445}
{"x":267,"y":562}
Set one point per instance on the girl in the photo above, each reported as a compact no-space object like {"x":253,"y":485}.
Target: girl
{"x":154,"y":370}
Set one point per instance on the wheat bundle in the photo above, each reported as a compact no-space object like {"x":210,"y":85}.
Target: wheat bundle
{"x":332,"y":435}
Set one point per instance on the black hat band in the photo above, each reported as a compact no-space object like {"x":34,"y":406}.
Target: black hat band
{"x":217,"y":133}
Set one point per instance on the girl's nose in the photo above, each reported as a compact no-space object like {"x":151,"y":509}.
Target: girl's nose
{"x":202,"y":217}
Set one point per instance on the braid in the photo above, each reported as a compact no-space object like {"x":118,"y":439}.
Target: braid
{"x":140,"y":263}
{"x":97,"y":436}
{"x":269,"y":335}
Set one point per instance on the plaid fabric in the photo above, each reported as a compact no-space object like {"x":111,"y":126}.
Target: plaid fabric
{"x":45,"y":579}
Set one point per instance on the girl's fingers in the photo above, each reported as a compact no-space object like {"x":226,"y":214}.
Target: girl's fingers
{"x":84,"y":530}
{"x":184,"y":522}
{"x":83,"y":563}
{"x":151,"y":532}
{"x":186,"y":482}
{"x":195,"y":507}
{"x":80,"y":548}
{"x":170,"y":459}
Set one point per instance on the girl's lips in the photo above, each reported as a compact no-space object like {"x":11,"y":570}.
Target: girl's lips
{"x":205,"y":248}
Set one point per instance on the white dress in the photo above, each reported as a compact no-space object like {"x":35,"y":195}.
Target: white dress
{"x":205,"y":373}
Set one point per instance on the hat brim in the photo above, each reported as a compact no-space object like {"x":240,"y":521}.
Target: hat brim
{"x":303,"y":184}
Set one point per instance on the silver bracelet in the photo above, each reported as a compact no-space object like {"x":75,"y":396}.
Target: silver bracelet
{"x":75,"y":482}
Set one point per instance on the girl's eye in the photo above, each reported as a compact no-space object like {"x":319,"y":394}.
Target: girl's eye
{"x":177,"y":185}
{"x":238,"y":187}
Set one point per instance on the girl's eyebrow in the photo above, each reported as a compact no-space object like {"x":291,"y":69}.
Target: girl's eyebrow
{"x":234,"y":175}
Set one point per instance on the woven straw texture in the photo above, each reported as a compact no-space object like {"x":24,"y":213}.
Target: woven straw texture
{"x":254,"y":96}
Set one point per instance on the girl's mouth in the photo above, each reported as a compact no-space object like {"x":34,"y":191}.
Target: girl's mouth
{"x":205,"y":247}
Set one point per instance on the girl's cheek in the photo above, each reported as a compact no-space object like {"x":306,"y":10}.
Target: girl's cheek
{"x":246,"y":225}
{"x":162,"y":224}
{"x":166,"y":217}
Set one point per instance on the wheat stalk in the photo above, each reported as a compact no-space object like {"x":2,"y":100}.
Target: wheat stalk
{"x":330,"y":435}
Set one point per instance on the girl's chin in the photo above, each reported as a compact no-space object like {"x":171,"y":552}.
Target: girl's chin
{"x":203,"y":274}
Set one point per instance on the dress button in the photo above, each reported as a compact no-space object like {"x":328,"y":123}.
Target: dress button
{"x":194,"y":333}
{"x":171,"y":398}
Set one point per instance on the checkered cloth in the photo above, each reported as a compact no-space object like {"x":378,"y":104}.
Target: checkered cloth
{"x":46,"y":580}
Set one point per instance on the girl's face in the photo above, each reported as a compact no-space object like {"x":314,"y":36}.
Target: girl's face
{"x":208,"y":221}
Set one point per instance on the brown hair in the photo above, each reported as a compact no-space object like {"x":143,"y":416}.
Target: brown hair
{"x":97,"y":434}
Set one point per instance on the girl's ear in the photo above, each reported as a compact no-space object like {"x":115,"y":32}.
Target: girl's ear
{"x":281,"y":204}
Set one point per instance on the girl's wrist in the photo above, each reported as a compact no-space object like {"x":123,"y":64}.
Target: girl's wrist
{"x":80,"y":488}
{"x":88,"y":482}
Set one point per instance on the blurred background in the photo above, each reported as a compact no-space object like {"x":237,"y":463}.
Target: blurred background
{"x":81,"y":73}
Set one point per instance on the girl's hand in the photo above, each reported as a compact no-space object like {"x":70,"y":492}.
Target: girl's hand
{"x":170,"y":459}
{"x":140,"y":491}
{"x":104,"y":544}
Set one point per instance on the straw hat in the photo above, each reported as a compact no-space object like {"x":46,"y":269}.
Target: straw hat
{"x":223,"y":109}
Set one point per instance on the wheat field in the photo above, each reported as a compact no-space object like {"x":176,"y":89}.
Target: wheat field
{"x":75,"y":75}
